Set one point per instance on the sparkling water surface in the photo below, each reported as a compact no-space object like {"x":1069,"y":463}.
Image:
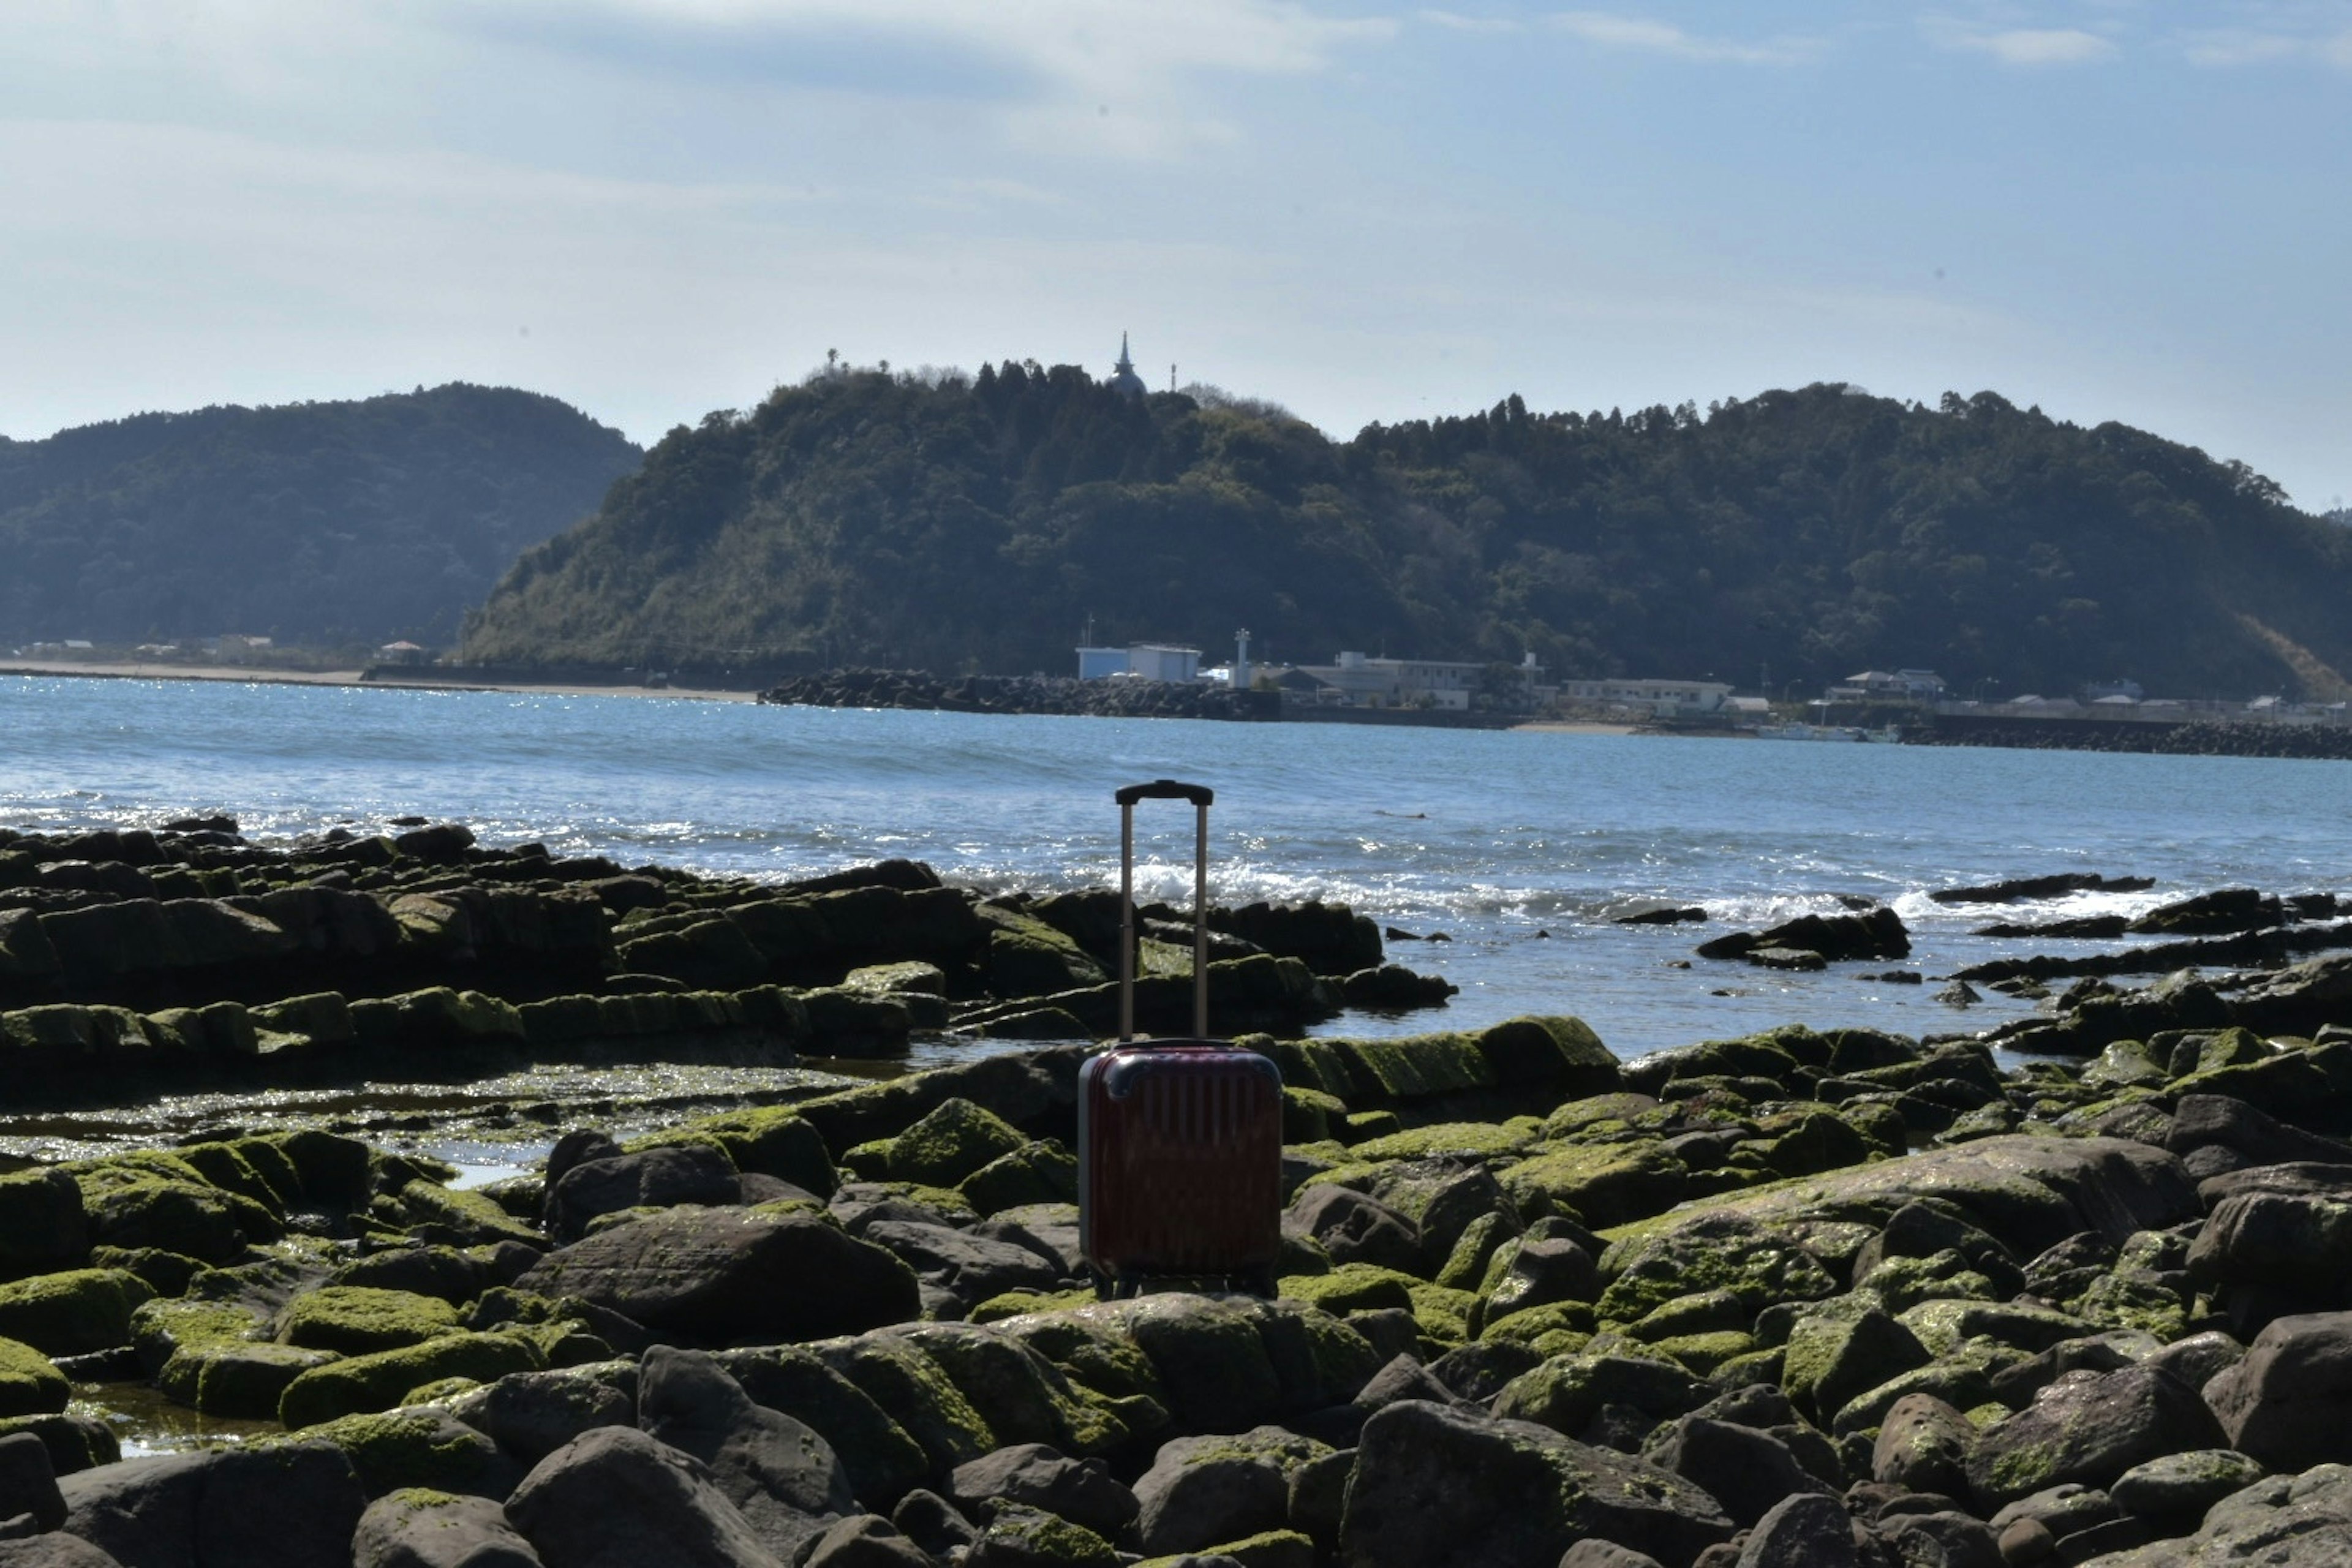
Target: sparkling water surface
{"x":1521,"y":846}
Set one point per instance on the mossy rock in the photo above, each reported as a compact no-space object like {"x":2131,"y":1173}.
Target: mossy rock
{"x":951,"y":1140}
{"x":1568,"y":1391}
{"x":187,"y":1217}
{"x":1019,"y":1394}
{"x":1618,"y":1110}
{"x":422,"y":1446}
{"x":917,"y":1394}
{"x":1444,"y":1314}
{"x":1472,"y":1140}
{"x":1943,"y":1325}
{"x":441,"y":1391}
{"x":162,"y":1328}
{"x":1022,"y":1303}
{"x":1367,"y":1126}
{"x":1267,"y":1548}
{"x":1705,"y":1353}
{"x":29,"y":1384}
{"x":381,"y":1380}
{"x":165,"y":1273}
{"x":1833,"y":1357}
{"x":335,"y":1171}
{"x":1414,"y":1068}
{"x":774,"y":1140}
{"x":1310,"y":1115}
{"x":226,"y":1166}
{"x":1901,"y":1283}
{"x":467,"y":1217}
{"x":1351,"y":1287}
{"x":1601,"y":1184}
{"x":75,"y":1312}
{"x":237,"y":1378}
{"x":1092,"y":1349}
{"x":43,"y":1224}
{"x":1533,"y":1326}
{"x":1466,"y":1264}
{"x":1033,"y":1538}
{"x":1040,"y":1173}
{"x":1026,"y":957}
{"x":354,"y":1319}
{"x":1756,"y":1263}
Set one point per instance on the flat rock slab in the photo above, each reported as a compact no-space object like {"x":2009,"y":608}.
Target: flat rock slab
{"x":2031,"y":1192}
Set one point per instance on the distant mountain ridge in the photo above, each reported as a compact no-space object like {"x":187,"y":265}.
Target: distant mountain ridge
{"x":330,"y":524}
{"x":977,"y":525}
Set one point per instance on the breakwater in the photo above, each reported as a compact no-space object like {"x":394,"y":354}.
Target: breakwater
{"x":2153,"y":737}
{"x":1035,"y":694}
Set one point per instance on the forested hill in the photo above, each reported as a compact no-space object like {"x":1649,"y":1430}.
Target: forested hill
{"x":956,"y":524}
{"x":325,"y":523}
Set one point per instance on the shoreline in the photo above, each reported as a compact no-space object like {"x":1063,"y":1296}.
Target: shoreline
{"x":135,"y":670}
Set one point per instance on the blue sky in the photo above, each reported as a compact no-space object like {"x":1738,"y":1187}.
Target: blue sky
{"x":2114,"y":209}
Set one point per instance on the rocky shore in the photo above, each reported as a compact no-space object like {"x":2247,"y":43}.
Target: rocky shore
{"x":190,"y":957}
{"x":1834,"y":1298}
{"x":918,"y":688}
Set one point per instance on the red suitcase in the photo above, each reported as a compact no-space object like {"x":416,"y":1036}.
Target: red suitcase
{"x":1179,"y":1141}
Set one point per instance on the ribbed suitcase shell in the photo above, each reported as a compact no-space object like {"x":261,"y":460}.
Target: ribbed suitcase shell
{"x":1180,"y":1162}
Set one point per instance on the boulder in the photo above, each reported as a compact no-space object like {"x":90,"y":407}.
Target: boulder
{"x":1021,"y":1537}
{"x":530,"y":1415}
{"x":615,"y":1498}
{"x":1082,"y":1491}
{"x":1354,"y":1229}
{"x":2289,"y":1401}
{"x":30,"y":1384}
{"x":2287,"y":1521}
{"x":866,"y":1541}
{"x":359,"y":1385}
{"x":1831,"y":1359}
{"x":967,"y":1266}
{"x":2088,"y":1428}
{"x":420,"y":1446}
{"x":1942,"y":1537}
{"x":716,"y":1275}
{"x":781,"y":1475}
{"x":1923,"y":1447}
{"x":2173,"y":1492}
{"x":53,"y":1551}
{"x":43,"y":1227}
{"x":418,"y":1528}
{"x":1439,"y":1485}
{"x":883,"y":1462}
{"x":28,"y":1482}
{"x":1808,"y":1530}
{"x":1202,"y":1491}
{"x":75,"y":1312}
{"x":1746,"y":1470}
{"x":652,"y":1178}
{"x":950,"y":1142}
{"x":292,"y":1505}
{"x":1568,"y":1393}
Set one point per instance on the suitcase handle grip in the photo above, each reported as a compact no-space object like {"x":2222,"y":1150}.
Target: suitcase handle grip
{"x":1167,"y":789}
{"x":1199,"y":795}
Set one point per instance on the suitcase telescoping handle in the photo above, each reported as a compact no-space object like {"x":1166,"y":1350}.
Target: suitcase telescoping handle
{"x":1199,"y":795}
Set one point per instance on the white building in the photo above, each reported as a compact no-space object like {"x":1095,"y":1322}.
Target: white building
{"x":1357,"y":681}
{"x":1139,"y":661}
{"x":1664,"y":699}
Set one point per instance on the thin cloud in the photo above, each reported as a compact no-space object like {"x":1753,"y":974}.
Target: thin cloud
{"x":1453,"y":21}
{"x":1611,"y":30}
{"x":2030,"y":46}
{"x":2235,"y":48}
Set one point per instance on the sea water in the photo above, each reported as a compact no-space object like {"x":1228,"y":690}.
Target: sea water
{"x":1521,"y":847}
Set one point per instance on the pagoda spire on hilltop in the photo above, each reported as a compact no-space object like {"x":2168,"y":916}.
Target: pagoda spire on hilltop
{"x":1124,"y":380}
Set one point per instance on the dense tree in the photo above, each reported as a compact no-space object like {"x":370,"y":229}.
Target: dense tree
{"x":977,"y":524}
{"x":323,"y":523}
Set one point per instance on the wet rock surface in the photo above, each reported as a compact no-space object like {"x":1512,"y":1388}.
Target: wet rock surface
{"x":1799,"y":1297}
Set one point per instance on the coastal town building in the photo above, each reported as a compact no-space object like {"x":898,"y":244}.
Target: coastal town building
{"x":1139,"y":661}
{"x":1664,"y":699}
{"x":1355,"y":680}
{"x":1889,"y":686}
